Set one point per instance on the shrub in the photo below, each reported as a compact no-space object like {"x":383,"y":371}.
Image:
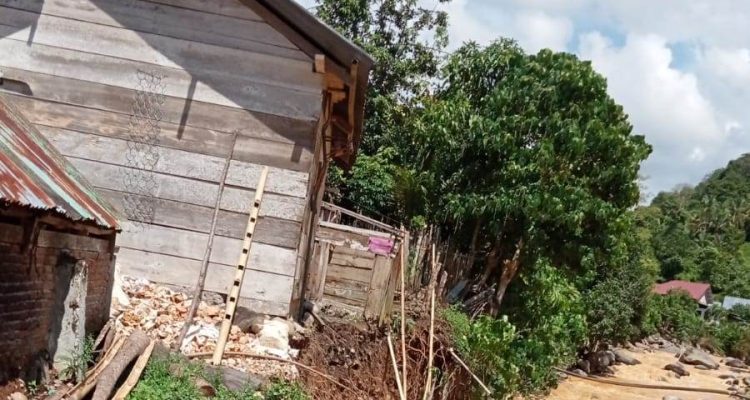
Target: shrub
{"x":674,"y":315}
{"x":284,"y":390}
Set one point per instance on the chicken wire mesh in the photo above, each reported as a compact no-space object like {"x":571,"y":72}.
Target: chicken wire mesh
{"x":142,"y":156}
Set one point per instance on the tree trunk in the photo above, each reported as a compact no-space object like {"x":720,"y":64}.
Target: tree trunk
{"x":473,"y":246}
{"x":135,"y":344}
{"x":510,"y":269}
{"x":493,"y":260}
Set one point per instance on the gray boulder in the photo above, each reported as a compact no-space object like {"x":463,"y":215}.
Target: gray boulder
{"x":702,"y":367}
{"x":678,"y":369}
{"x":579,"y":373}
{"x":697,"y":357}
{"x":622,"y":357}
{"x":734,"y":363}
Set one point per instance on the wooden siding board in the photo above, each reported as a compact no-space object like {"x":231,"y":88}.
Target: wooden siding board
{"x":179,"y":83}
{"x":202,"y":60}
{"x":166,"y":20}
{"x":112,"y":177}
{"x":192,"y":245}
{"x":177,"y":162}
{"x":204,"y":123}
{"x":172,"y":214}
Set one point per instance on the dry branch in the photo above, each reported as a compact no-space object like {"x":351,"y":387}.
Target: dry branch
{"x":431,"y":357}
{"x":135,"y":344}
{"x":466,"y":367}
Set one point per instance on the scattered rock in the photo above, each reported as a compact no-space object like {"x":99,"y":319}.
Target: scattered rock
{"x":248,"y":320}
{"x":746,"y":380}
{"x":678,"y":369}
{"x":579,"y":372}
{"x":702,"y":367}
{"x":18,"y":396}
{"x":696,"y":357}
{"x":727,"y":376}
{"x":622,"y":357}
{"x":734,"y":363}
{"x":275,"y":335}
{"x":670,"y":397}
{"x":584,"y":365}
{"x":734,"y":388}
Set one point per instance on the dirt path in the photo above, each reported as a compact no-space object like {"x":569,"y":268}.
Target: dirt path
{"x":651,"y":371}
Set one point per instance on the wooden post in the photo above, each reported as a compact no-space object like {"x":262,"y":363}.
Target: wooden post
{"x":234,"y":291}
{"x":207,"y":255}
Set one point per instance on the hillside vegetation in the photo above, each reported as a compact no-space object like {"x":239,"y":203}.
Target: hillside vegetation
{"x":702,"y":233}
{"x":524,"y":162}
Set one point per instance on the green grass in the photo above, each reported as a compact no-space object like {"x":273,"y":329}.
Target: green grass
{"x":159,"y":383}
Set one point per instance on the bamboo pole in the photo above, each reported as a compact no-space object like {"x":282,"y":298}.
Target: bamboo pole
{"x":401,"y":394}
{"x":234,"y":291}
{"x":404,"y":250}
{"x":207,"y":254}
{"x":466,"y":367}
{"x":430,"y":359}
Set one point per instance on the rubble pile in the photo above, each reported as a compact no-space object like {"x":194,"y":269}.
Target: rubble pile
{"x":160,"y":312}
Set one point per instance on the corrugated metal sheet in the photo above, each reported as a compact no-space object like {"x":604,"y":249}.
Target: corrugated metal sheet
{"x":35,"y":175}
{"x":730,"y":302}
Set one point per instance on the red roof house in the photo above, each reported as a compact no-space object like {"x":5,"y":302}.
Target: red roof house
{"x":699,"y":291}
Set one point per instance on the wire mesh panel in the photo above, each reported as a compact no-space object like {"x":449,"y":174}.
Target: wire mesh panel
{"x":143,"y":152}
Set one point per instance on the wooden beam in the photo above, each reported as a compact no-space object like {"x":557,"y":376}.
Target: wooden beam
{"x":363,"y":218}
{"x":320,"y":63}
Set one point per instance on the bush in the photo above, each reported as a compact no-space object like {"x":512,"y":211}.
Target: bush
{"x":674,"y":315}
{"x":517,"y":355}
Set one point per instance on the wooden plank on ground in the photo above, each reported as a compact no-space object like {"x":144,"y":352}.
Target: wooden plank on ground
{"x":179,"y":83}
{"x":179,"y":271}
{"x":208,"y":119}
{"x":378,"y":286}
{"x":191,"y":245}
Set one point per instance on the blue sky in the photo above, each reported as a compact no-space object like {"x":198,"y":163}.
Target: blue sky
{"x":680,"y":68}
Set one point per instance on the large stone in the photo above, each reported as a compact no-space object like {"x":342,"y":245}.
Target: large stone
{"x":275,"y":335}
{"x":622,"y":356}
{"x":734,"y":363}
{"x":697,"y":357}
{"x":678,"y":369}
{"x":579,"y":372}
{"x":248,"y":320}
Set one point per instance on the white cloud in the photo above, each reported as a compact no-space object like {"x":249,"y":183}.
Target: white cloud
{"x":664,"y":104}
{"x":536,"y":30}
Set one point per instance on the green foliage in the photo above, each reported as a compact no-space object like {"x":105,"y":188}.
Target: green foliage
{"x":675,"y":315}
{"x":75,"y":365}
{"x":283,"y":390}
{"x":160,"y":383}
{"x":516,"y":353}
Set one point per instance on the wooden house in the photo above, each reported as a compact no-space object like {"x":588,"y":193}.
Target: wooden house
{"x":57,"y":242}
{"x":149,"y":99}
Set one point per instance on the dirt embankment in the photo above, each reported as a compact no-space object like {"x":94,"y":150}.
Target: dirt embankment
{"x":650,"y":371}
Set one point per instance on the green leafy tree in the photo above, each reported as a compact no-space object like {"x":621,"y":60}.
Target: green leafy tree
{"x":407,"y":42}
{"x":534,"y":145}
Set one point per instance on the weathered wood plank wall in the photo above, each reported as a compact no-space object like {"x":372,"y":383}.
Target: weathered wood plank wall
{"x":71,"y":67}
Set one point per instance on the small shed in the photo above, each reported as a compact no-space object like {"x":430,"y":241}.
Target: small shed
{"x":57,"y":244}
{"x":699,"y":291}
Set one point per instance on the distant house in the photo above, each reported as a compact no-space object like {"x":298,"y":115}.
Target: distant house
{"x":57,"y":253}
{"x":730,"y":302}
{"x":700,"y":292}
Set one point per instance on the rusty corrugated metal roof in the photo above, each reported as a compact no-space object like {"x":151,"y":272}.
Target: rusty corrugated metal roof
{"x":35,"y":175}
